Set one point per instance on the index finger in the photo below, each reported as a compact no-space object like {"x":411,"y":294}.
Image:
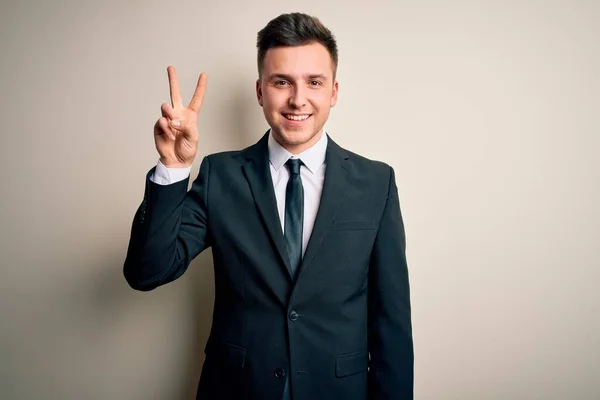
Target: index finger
{"x":198,"y":97}
{"x":174,"y":88}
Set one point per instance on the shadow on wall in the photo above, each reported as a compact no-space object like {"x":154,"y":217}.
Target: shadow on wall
{"x":240,"y":118}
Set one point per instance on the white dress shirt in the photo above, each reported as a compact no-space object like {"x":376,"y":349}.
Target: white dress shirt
{"x":312,"y":174}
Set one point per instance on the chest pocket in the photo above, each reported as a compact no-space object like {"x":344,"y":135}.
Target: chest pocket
{"x":353,"y":225}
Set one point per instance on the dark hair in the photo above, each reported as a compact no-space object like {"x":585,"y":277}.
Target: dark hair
{"x":295,"y":29}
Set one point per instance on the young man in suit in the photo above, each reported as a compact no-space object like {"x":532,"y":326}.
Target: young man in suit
{"x":311,"y":283}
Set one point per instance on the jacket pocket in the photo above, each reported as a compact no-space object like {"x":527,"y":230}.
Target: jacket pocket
{"x":350,"y":364}
{"x":353,"y":225}
{"x":232,"y":355}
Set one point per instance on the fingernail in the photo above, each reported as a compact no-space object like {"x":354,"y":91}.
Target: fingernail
{"x":176,"y":123}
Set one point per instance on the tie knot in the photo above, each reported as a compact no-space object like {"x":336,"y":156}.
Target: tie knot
{"x":294,"y":165}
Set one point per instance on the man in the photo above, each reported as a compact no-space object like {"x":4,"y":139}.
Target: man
{"x":311,"y":283}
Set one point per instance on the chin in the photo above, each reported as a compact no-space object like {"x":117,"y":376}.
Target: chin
{"x":295,"y":138}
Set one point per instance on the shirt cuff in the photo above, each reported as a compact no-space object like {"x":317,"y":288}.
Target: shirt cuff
{"x":166,"y":176}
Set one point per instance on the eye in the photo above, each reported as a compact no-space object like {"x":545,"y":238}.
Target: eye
{"x":315,"y":83}
{"x":281,"y":82}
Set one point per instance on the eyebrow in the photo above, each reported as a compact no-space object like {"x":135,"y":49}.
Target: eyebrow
{"x":289,"y":78}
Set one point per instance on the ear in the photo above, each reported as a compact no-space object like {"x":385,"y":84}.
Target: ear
{"x":259,"y":93}
{"x":334,"y":94}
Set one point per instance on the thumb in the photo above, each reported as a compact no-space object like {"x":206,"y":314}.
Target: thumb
{"x":177,"y":124}
{"x":176,"y":119}
{"x":183,"y":128}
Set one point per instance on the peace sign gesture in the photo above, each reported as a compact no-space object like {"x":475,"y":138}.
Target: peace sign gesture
{"x":176,"y":132}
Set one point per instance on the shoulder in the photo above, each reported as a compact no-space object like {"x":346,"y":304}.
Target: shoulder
{"x":229,"y":158}
{"x":226,"y":164}
{"x":367,"y":164}
{"x":223,"y":157}
{"x":366,"y":168}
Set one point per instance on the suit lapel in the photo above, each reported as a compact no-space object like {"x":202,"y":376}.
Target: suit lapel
{"x":335,"y":188}
{"x":258,"y":174}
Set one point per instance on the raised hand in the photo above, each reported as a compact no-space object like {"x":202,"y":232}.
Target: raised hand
{"x":176,"y":132}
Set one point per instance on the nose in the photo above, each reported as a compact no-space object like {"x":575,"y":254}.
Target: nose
{"x":297,"y":98}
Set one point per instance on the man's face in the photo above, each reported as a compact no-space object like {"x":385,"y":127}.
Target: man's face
{"x":296,"y":90}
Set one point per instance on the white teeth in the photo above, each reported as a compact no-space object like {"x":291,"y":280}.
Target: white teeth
{"x":297,"y":117}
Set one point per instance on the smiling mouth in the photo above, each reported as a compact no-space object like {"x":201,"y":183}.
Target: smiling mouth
{"x":297,"y":117}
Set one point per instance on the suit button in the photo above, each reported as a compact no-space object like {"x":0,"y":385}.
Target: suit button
{"x":279,"y":373}
{"x":293,"y":315}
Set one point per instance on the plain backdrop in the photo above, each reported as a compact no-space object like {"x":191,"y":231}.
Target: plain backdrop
{"x":487,"y":110}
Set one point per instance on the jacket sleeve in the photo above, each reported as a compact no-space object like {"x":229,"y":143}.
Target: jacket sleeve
{"x":390,"y":331}
{"x":169,"y":229}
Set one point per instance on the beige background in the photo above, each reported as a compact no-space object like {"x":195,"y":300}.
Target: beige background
{"x":488,"y":111}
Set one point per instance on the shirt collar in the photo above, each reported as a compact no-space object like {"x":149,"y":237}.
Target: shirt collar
{"x":312,"y":157}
